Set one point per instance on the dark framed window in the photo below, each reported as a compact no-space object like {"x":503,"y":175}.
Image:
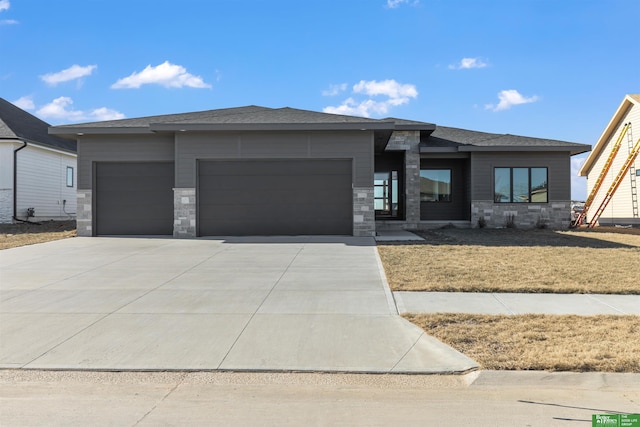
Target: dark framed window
{"x":520,"y":185}
{"x":435,"y":185}
{"x":385,"y":193}
{"x":69,"y":176}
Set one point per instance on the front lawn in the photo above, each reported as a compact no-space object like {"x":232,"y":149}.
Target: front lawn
{"x":508,"y":260}
{"x":603,"y":343}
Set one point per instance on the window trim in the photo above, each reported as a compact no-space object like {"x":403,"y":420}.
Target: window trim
{"x":70,"y":176}
{"x":450,"y":194}
{"x":529,"y":169}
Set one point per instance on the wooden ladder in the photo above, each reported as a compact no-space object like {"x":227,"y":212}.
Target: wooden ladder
{"x":603,"y":173}
{"x":616,"y":183}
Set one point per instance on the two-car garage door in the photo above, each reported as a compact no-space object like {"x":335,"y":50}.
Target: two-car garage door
{"x":235,"y":197}
{"x":275,"y":197}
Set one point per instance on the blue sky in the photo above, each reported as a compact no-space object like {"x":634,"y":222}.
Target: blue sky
{"x":543,"y":68}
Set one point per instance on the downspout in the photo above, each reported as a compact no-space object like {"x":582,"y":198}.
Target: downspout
{"x":15,"y":181}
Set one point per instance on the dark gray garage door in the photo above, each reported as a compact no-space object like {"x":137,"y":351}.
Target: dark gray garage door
{"x":275,"y":197}
{"x":134,"y":198}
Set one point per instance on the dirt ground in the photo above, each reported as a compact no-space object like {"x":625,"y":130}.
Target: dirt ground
{"x":22,"y":233}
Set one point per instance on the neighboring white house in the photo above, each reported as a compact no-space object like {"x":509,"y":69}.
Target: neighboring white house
{"x":37,"y":170}
{"x":622,"y":208}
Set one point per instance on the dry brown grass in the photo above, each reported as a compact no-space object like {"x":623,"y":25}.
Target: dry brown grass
{"x":506,"y":260}
{"x":603,"y":343}
{"x":22,"y":234}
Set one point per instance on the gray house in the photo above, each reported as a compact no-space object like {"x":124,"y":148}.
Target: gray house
{"x":263,"y":171}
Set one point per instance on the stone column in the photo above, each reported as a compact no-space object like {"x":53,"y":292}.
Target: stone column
{"x":409,"y":142}
{"x":184,"y":213}
{"x":364,"y":223}
{"x":84,"y":213}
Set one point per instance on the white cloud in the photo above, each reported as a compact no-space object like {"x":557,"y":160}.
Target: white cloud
{"x":5,"y":5}
{"x":60,"y":109}
{"x":334,"y":89}
{"x":165,"y":74}
{"x":396,"y":94}
{"x":105,"y":113}
{"x":25,"y":102}
{"x":390,"y":88}
{"x":392,"y":4}
{"x":468,"y":63}
{"x":72,"y":73}
{"x":509,"y":98}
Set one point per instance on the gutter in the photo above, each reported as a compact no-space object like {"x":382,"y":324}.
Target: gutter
{"x":15,"y":180}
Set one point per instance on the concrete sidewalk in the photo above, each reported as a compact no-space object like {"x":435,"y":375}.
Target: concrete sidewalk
{"x":481,"y":398}
{"x":516,"y":303}
{"x":264,"y":304}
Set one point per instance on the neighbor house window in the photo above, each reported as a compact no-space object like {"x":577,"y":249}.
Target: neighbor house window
{"x":69,"y":176}
{"x":435,"y":185}
{"x":520,"y":185}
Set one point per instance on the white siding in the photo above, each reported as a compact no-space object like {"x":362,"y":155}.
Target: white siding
{"x":620,"y":205}
{"x":6,"y":180}
{"x":42,"y":185}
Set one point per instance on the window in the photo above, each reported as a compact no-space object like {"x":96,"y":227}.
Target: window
{"x":520,"y":185}
{"x":69,"y":176}
{"x":385,"y":193}
{"x":435,"y":185}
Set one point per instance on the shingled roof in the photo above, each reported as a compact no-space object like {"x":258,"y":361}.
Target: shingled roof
{"x":241,"y":118}
{"x":454,"y":139}
{"x":16,"y":123}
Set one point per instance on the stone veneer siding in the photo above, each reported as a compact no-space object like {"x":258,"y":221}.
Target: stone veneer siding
{"x":554,"y":215}
{"x":364,"y":223}
{"x":409,"y":142}
{"x":6,"y":206}
{"x":184,"y":213}
{"x":84,"y":217}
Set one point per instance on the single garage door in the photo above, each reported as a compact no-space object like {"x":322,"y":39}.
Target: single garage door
{"x":134,"y":198}
{"x":275,"y":197}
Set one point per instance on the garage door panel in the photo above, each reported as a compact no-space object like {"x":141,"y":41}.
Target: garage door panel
{"x":287,"y":168}
{"x":134,"y":198}
{"x":289,"y":197}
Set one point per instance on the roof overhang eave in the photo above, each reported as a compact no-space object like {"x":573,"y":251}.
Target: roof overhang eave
{"x":573,"y":150}
{"x":203,"y":127}
{"x":74,"y":132}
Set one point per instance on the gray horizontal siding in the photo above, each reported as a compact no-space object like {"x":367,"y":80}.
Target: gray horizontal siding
{"x":356,"y":145}
{"x":558,"y":166}
{"x":110,"y":148}
{"x":459,"y":208}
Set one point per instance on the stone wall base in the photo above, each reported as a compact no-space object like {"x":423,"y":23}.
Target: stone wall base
{"x":6,"y":206}
{"x":364,"y":223}
{"x":555,"y":215}
{"x":184,"y":213}
{"x":84,"y":216}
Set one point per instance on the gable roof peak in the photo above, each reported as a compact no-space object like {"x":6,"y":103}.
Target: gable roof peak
{"x":15,"y":123}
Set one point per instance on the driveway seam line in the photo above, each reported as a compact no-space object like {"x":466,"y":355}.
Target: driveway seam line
{"x":244,"y":328}
{"x":66,"y":340}
{"x":164,"y":283}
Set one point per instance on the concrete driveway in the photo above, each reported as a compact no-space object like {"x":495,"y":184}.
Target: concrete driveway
{"x":282,"y":303}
